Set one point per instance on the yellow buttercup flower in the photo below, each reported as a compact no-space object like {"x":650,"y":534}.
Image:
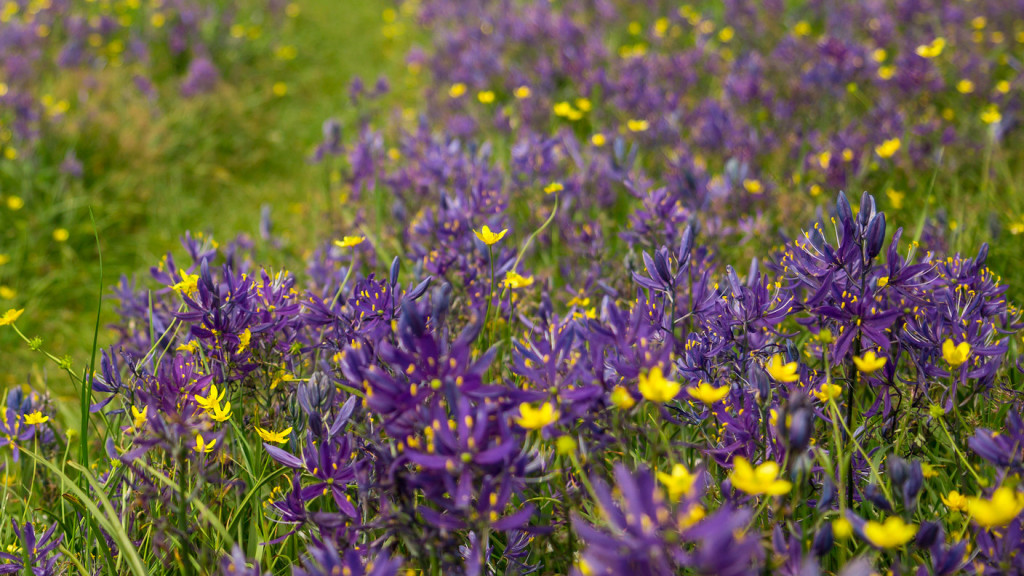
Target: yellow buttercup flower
{"x":212,"y":398}
{"x":828,"y":392}
{"x":553,"y":187}
{"x":965,"y":86}
{"x":219,"y":413}
{"x":955,"y":354}
{"x":189,"y":284}
{"x":522,"y":93}
{"x":870,"y":362}
{"x":931,"y":50}
{"x":762,"y":480}
{"x":192,"y":346}
{"x":678,"y":483}
{"x":36,"y":418}
{"x":566,"y":445}
{"x":598,"y":140}
{"x":532,"y":418}
{"x":888,"y":148}
{"x":201,"y":445}
{"x":244,"y":339}
{"x":622,"y":399}
{"x":139,"y":418}
{"x":753,"y":186}
{"x":457,"y":90}
{"x":841,"y":528}
{"x":991,"y":114}
{"x":707,"y":393}
{"x":271,"y":436}
{"x":955,"y":501}
{"x":489,"y":237}
{"x":928,"y":471}
{"x":694,"y":514}
{"x":514,"y":281}
{"x":999,"y":510}
{"x":893,"y":533}
{"x":11,"y":316}
{"x":782,"y":372}
{"x":638,"y":125}
{"x":485,"y":97}
{"x":349,"y":241}
{"x":656,"y":388}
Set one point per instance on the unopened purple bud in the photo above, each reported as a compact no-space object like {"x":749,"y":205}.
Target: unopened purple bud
{"x":875,"y":495}
{"x":393,"y":274}
{"x":734,"y":282}
{"x":685,"y":246}
{"x":828,"y":495}
{"x":754,"y":273}
{"x":875,"y":235}
{"x":758,"y":380}
{"x":823,"y":540}
{"x":927,"y":534}
{"x":661,"y":265}
{"x":867,"y":209}
{"x":844,"y":211}
{"x":979,"y":260}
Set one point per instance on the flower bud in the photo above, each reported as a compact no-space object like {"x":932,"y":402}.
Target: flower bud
{"x":823,"y":540}
{"x":927,"y":534}
{"x":875,"y":235}
{"x":844,"y":211}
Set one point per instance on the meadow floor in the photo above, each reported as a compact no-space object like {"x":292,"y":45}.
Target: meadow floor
{"x":209,"y":168}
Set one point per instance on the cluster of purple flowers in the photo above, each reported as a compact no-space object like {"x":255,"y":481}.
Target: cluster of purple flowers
{"x":446,"y":423}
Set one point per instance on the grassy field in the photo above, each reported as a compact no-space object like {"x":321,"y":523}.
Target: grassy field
{"x":585,"y":288}
{"x":206,"y":165}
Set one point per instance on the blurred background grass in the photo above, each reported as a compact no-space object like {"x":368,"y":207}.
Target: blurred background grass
{"x":206,"y":164}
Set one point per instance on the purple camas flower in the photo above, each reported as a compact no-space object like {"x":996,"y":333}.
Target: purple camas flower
{"x":202,"y":77}
{"x":39,"y":558}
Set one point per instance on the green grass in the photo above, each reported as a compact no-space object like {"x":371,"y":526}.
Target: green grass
{"x":205,"y":165}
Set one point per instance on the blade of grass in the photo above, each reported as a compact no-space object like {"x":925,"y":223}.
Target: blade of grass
{"x":83,"y":449}
{"x":108,"y":523}
{"x":203,"y":510}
